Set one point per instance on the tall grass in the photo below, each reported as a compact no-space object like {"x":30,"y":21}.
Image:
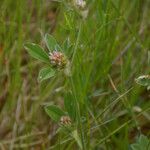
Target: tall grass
{"x":107,"y":49}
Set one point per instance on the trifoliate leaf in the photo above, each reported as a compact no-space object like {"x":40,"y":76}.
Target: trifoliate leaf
{"x":143,"y":143}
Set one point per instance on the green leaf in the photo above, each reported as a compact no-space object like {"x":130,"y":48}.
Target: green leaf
{"x":70,"y":106}
{"x":143,"y":80}
{"x":75,"y":135}
{"x":143,"y":143}
{"x":37,"y":52}
{"x":51,"y":43}
{"x":45,"y":73}
{"x":54,"y":112}
{"x":135,"y":147}
{"x":148,"y":88}
{"x":67,"y":47}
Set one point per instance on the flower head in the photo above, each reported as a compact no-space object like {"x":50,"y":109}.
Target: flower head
{"x":81,"y":7}
{"x":58,"y":60}
{"x":80,"y":3}
{"x":65,"y":120}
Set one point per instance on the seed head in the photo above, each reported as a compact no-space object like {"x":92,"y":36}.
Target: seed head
{"x":58,"y":60}
{"x":80,"y":3}
{"x":65,"y":120}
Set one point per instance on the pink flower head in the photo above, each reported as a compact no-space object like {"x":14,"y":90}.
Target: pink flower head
{"x":58,"y":60}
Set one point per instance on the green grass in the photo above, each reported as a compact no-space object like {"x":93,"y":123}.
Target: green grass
{"x":107,"y":51}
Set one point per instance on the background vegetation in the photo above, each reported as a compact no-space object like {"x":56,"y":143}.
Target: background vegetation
{"x":108,"y":49}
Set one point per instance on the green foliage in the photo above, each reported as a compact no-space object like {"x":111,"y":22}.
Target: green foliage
{"x":51,"y":43}
{"x":76,"y":136}
{"x":54,"y":112}
{"x":46,"y":73}
{"x":70,"y":105}
{"x":37,"y":52}
{"x":144,"y":81}
{"x":143,"y":143}
{"x":107,"y":47}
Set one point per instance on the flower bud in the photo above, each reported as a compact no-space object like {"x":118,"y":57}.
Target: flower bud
{"x":58,"y":60}
{"x":81,"y":7}
{"x":80,"y":3}
{"x":65,"y":120}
